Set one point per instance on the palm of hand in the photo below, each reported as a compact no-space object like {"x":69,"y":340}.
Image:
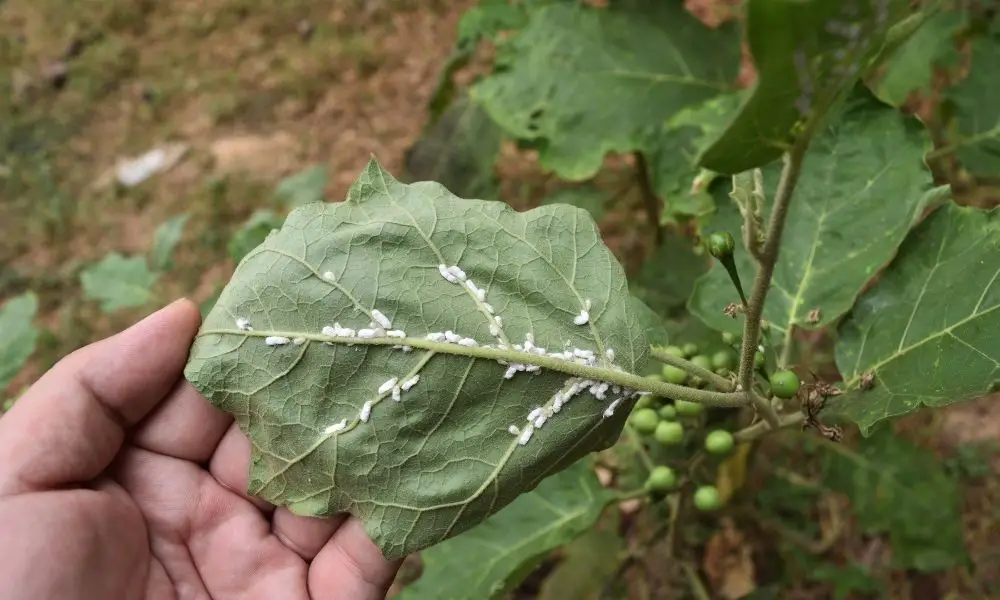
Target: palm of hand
{"x":84,"y":514}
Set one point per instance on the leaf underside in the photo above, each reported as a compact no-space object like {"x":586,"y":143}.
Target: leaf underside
{"x":862,"y":187}
{"x":488,"y":561}
{"x":441,"y":459}
{"x":929,"y":330}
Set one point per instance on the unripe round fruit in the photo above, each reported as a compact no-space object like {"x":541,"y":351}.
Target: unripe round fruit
{"x":719,"y":441}
{"x":758,"y":360}
{"x":728,"y":338}
{"x":707,"y":499}
{"x":644,"y":420}
{"x":723,"y":359}
{"x":690,"y":349}
{"x":702,"y":361}
{"x":654,"y":377}
{"x":721,"y":244}
{"x":674,"y":375}
{"x":785,"y":384}
{"x":688,"y":409}
{"x":667,"y":412}
{"x":669,"y":433}
{"x":674,"y":351}
{"x":644,"y":402}
{"x":661,"y":479}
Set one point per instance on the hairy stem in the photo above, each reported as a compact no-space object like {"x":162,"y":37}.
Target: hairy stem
{"x":762,"y":282}
{"x":649,"y":198}
{"x":716,"y":381}
{"x":786,"y":347}
{"x":759,"y":428}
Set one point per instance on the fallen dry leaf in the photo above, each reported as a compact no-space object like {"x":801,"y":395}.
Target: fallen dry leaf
{"x":728,"y":563}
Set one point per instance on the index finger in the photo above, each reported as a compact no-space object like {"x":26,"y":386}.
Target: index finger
{"x":70,"y":425}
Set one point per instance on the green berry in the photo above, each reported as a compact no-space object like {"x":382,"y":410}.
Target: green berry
{"x":729,"y":339}
{"x":690,"y":349}
{"x":721,"y":244}
{"x":674,"y":375}
{"x":669,"y":433}
{"x":719,"y":441}
{"x":707,"y":499}
{"x":644,"y":420}
{"x":654,"y":377}
{"x":723,"y":359}
{"x":702,"y":361}
{"x":758,"y":360}
{"x":661,"y":479}
{"x":675,"y":351}
{"x":667,"y":412}
{"x":644,"y":402}
{"x":785,"y":384}
{"x":688,"y":409}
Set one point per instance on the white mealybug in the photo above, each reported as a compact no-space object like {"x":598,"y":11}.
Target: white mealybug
{"x":610,"y":354}
{"x":243,"y":324}
{"x":582,"y":353}
{"x":557,"y":404}
{"x":335,"y":428}
{"x":481,"y":295}
{"x":469,"y":342}
{"x":456,"y":272}
{"x":452,"y":337}
{"x":366,"y":411}
{"x":494,"y":330}
{"x":276,"y":340}
{"x":610,"y":411}
{"x":381,"y":319}
{"x":329,"y":331}
{"x":532,"y":368}
{"x":346,"y":332}
{"x":529,"y":345}
{"x":388,"y":385}
{"x":396,"y":394}
{"x":447,"y":274}
{"x":539,"y":421}
{"x":582,"y":319}
{"x":299,"y":341}
{"x":535,"y":413}
{"x":525,"y":436}
{"x":514,"y":430}
{"x":396,"y":333}
{"x":472,"y":286}
{"x":498,"y":320}
{"x":437,"y":336}
{"x":407,"y":348}
{"x":329,"y":276}
{"x":367,"y":334}
{"x":409,"y":383}
{"x":511,"y":371}
{"x":488,"y":307}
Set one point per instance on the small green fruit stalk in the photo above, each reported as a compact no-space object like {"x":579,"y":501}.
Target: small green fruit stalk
{"x":721,"y":245}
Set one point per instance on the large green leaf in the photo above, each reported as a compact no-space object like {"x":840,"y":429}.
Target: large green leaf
{"x":582,"y":81}
{"x":972,"y":103}
{"x":929,"y":331}
{"x":668,"y":276}
{"x":20,"y":335}
{"x":443,"y":459}
{"x":862,"y":188}
{"x":303,"y":187}
{"x":165,"y":240}
{"x":489,"y":561}
{"x":118,"y":282}
{"x":588,"y":197}
{"x":807,"y":53}
{"x":901,"y":489}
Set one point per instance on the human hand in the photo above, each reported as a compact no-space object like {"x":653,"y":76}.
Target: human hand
{"x":118,"y":480}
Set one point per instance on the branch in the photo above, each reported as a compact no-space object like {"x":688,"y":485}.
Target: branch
{"x":718,"y":382}
{"x":759,"y":428}
{"x":762,"y":282}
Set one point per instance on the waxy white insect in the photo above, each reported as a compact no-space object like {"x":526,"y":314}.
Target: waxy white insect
{"x":335,"y":428}
{"x":366,"y":412}
{"x":329,"y":331}
{"x":610,"y":410}
{"x":243,"y":324}
{"x":610,"y":354}
{"x":368,"y":334}
{"x":494,"y":330}
{"x":472,"y":286}
{"x":396,"y":394}
{"x":329,"y":276}
{"x":525,"y":436}
{"x":299,"y":341}
{"x":452,"y":337}
{"x":388,"y":385}
{"x":481,"y":295}
{"x":514,"y":430}
{"x":498,"y":320}
{"x":535,"y":413}
{"x":540,"y":420}
{"x":511,"y":371}
{"x":456,"y":272}
{"x":396,"y":333}
{"x":468,"y":342}
{"x":382,"y":320}
{"x":582,"y":319}
{"x":407,"y":348}
{"x":409,"y":383}
{"x":437,"y":336}
{"x":276,"y":340}
{"x":443,"y":269}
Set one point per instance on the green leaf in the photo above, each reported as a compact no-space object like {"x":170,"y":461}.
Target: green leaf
{"x":304,"y":187}
{"x":975,"y":134}
{"x":20,"y":335}
{"x":166,"y":238}
{"x":587,"y":564}
{"x":929,"y":330}
{"x":668,"y":276}
{"x":441,"y":460}
{"x":459,"y":152}
{"x":489,"y":561}
{"x":863,"y":186}
{"x":901,"y":489}
{"x":253,"y":233}
{"x":807,"y":54}
{"x":118,"y":282}
{"x":589,"y":198}
{"x":910,"y":66}
{"x":580,"y":82}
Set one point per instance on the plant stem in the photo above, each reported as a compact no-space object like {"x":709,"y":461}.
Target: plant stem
{"x":762,"y":282}
{"x":718,"y":382}
{"x":760,"y":428}
{"x":734,"y":276}
{"x":649,"y":198}
{"x":697,"y":587}
{"x":640,"y":449}
{"x":786,"y":347}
